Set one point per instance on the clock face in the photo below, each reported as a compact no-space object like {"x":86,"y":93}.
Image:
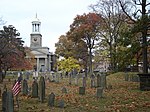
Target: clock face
{"x":35,"y":40}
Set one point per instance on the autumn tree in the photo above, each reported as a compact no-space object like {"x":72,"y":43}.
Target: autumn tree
{"x":66,"y":48}
{"x":68,"y":64}
{"x":137,"y":11}
{"x":85,"y":28}
{"x":11,"y":49}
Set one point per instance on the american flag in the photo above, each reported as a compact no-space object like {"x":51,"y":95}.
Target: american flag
{"x":17,"y":87}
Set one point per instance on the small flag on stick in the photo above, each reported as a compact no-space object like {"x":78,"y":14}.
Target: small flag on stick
{"x":17,"y":87}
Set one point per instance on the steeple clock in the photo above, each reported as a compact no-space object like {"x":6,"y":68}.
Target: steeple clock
{"x":35,"y":36}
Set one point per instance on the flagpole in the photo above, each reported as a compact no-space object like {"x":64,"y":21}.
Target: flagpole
{"x":17,"y":101}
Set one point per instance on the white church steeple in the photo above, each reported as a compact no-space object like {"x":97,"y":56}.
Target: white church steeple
{"x":36,"y":24}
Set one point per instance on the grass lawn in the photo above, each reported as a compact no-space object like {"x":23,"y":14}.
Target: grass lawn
{"x":124,"y":96}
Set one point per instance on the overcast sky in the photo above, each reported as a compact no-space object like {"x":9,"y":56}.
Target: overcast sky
{"x":55,"y":17}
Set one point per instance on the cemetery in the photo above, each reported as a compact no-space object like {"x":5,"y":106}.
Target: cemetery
{"x":117,"y":92}
{"x":101,"y":64}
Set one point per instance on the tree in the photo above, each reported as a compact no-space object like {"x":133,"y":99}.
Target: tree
{"x":85,"y":28}
{"x":66,"y":48}
{"x":68,"y":64}
{"x":11,"y":49}
{"x":112,"y":20}
{"x":138,"y":12}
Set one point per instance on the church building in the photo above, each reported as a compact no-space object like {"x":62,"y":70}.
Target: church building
{"x":44,"y":58}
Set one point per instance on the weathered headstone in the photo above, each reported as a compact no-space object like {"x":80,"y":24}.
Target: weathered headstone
{"x":101,"y":80}
{"x":76,"y":80}
{"x":34,"y":89}
{"x":84,"y":82}
{"x":10,"y":102}
{"x":4,"y":101}
{"x":70,"y":78}
{"x":27,"y":75}
{"x":99,"y":92}
{"x":25,"y":87}
{"x":82,"y":90}
{"x":51,"y":99}
{"x":98,"y":80}
{"x":57,"y":78}
{"x":61,"y":104}
{"x":126,"y":76}
{"x":64,"y":90}
{"x":92,"y":81}
{"x":41,"y":89}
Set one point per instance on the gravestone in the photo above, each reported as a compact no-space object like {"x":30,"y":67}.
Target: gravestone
{"x":57,"y":78}
{"x":4,"y":101}
{"x":92,"y":81}
{"x":101,"y":80}
{"x":25,"y":87}
{"x":27,"y":75}
{"x":98,"y":80}
{"x":51,"y":99}
{"x":61,"y":104}
{"x":64,"y":90}
{"x":9,"y":102}
{"x":76,"y":80}
{"x":99,"y":92}
{"x":70,"y":78}
{"x":41,"y":89}
{"x":84,"y":82}
{"x":34,"y":89}
{"x":82,"y":90}
{"x":126,"y":76}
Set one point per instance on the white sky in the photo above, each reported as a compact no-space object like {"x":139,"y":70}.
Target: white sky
{"x":55,"y":17}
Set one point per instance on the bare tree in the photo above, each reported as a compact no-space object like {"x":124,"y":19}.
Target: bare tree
{"x":113,"y":18}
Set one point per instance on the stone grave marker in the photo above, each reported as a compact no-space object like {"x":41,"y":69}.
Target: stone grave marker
{"x":84,"y":82}
{"x":51,"y":99}
{"x":9,"y":102}
{"x":61,"y":104}
{"x":25,"y":87}
{"x":64,"y":90}
{"x":41,"y":89}
{"x":4,"y":101}
{"x":98,"y":80}
{"x":34,"y":89}
{"x":92,"y":81}
{"x":82,"y":90}
{"x":99,"y":92}
{"x":126,"y":76}
{"x":76,"y":80}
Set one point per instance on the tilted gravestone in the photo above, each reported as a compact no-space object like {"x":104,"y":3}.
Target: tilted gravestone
{"x":51,"y":99}
{"x":99,"y":92}
{"x":41,"y":89}
{"x":25,"y":87}
{"x":34,"y":89}
{"x":82,"y":90}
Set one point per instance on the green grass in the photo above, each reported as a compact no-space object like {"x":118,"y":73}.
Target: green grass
{"x":124,"y":96}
